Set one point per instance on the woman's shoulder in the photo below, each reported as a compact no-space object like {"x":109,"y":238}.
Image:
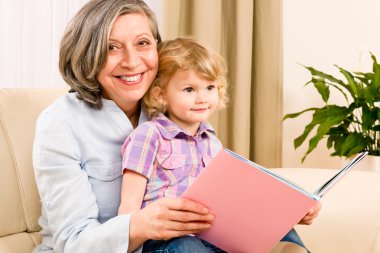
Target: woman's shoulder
{"x":65,"y":107}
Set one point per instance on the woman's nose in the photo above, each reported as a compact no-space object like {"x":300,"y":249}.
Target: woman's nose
{"x":130,"y":58}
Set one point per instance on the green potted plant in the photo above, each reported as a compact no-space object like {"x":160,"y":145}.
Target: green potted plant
{"x":350,"y":128}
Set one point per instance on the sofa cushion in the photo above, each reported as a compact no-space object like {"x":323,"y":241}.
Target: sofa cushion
{"x":19,"y":109}
{"x":19,"y":243}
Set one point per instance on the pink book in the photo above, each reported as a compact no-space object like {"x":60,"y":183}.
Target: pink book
{"x":254,"y":208}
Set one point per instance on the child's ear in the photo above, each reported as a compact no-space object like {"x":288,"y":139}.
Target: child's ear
{"x":158,"y":94}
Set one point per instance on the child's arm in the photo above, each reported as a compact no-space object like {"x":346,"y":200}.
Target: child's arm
{"x":132,"y":191}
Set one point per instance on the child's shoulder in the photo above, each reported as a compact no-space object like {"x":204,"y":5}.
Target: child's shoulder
{"x":146,"y":131}
{"x":208,"y":128}
{"x":146,"y":126}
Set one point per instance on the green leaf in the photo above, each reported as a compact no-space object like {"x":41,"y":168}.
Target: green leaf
{"x":318,"y":118}
{"x":364,"y":77}
{"x":376,"y":71}
{"x":338,"y":142}
{"x":327,"y":117}
{"x":369,"y":117}
{"x":323,"y":75}
{"x":294,"y":115}
{"x":323,"y":90}
{"x":354,"y":143}
{"x":351,"y":82}
{"x":339,"y":89}
{"x":370,"y":93}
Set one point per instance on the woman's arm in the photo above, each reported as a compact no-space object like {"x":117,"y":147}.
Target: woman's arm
{"x":70,"y":213}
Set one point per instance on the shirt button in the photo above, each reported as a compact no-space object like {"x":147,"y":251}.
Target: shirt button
{"x":109,"y":173}
{"x":192,"y":143}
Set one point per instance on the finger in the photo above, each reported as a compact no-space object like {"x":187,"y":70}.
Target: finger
{"x":318,"y":206}
{"x":310,"y":217}
{"x":173,"y":234}
{"x":175,"y":229}
{"x":185,"y":216}
{"x":186,"y":226}
{"x":185,"y":205}
{"x":308,"y":222}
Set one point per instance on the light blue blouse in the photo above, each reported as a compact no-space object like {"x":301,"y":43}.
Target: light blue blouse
{"x":77,"y":163}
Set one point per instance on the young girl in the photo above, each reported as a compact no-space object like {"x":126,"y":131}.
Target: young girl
{"x":162,"y":157}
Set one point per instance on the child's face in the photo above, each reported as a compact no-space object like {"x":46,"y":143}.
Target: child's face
{"x":190,"y":99}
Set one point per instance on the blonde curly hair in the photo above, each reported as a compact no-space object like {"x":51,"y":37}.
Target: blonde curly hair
{"x":185,"y":54}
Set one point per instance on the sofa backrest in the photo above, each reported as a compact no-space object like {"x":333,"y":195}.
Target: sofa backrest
{"x":19,"y":200}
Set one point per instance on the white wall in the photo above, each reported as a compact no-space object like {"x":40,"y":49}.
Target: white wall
{"x":318,"y":33}
{"x":30,"y":35}
{"x":321,"y":33}
{"x":31,"y":31}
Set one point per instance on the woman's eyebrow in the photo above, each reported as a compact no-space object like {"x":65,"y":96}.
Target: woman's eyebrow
{"x":136,"y":36}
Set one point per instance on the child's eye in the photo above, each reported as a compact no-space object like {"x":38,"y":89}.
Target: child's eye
{"x":188,"y":90}
{"x":211,"y":87}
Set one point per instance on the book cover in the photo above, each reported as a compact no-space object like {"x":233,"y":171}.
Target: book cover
{"x":254,"y":208}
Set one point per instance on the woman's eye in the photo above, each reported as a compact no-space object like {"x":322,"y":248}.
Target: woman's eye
{"x":144,"y":43}
{"x":188,"y":90}
{"x":112,"y":47}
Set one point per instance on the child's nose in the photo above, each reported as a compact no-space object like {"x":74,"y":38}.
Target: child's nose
{"x":201,"y":97}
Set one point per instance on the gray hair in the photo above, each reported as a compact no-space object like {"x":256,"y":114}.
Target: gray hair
{"x":84,"y":46}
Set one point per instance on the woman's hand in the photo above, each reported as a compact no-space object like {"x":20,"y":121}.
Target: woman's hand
{"x":167,"y":218}
{"x":311,"y":215}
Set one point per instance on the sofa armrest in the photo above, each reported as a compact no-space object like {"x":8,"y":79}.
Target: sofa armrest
{"x":349,"y":220}
{"x":20,"y":204}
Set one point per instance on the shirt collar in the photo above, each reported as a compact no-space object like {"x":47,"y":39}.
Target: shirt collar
{"x":169,"y":130}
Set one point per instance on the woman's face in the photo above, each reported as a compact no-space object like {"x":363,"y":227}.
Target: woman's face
{"x":132,"y":61}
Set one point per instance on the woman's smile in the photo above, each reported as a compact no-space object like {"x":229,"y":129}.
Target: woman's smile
{"x":132,"y":79}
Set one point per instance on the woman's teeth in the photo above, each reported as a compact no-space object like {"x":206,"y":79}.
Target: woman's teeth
{"x":131,"y":78}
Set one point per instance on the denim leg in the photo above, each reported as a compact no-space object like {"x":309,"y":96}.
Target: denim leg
{"x":293,"y":237}
{"x":184,"y":244}
{"x":212,"y":247}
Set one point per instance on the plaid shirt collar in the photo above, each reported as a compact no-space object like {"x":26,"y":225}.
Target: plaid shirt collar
{"x":169,"y":130}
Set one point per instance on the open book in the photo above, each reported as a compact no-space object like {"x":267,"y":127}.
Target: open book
{"x":254,"y":208}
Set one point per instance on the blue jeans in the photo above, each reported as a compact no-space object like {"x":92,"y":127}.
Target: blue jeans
{"x":183,"y":244}
{"x":191,"y":244}
{"x":293,"y":237}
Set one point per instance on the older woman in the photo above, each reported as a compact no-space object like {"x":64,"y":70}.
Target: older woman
{"x":108,"y":56}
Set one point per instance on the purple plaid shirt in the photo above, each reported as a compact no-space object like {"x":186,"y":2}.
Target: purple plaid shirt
{"x":169,"y":157}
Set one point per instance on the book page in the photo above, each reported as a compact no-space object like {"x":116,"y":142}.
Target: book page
{"x":331,"y":182}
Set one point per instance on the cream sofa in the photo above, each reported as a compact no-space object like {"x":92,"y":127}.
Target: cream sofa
{"x":348,"y":223}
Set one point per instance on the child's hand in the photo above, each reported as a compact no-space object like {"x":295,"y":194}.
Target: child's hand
{"x":311,"y":215}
